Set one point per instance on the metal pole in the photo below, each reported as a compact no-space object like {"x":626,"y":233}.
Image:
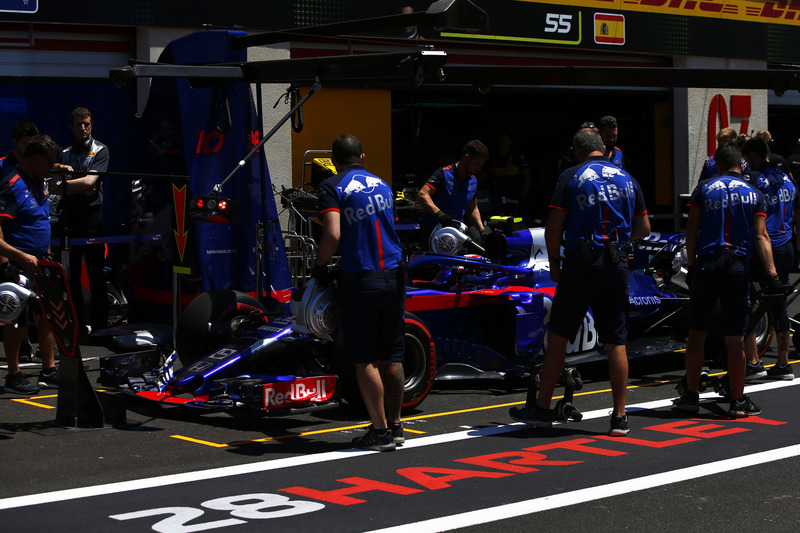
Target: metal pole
{"x":314,"y":88}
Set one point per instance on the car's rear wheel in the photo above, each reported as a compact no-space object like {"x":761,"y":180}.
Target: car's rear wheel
{"x":419,"y":363}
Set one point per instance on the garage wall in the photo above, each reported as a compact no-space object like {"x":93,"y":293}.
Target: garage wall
{"x":695,"y":115}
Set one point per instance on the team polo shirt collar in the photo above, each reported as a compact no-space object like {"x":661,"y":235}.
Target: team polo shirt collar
{"x":350,"y":168}
{"x":734,"y":174}
{"x":593,"y":158}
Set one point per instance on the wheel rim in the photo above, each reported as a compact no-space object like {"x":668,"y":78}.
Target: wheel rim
{"x":762,"y":331}
{"x":413,"y":362}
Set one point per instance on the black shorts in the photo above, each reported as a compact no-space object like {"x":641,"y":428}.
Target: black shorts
{"x":783,"y":257}
{"x":373,"y":303}
{"x":727,"y":284}
{"x":603,"y":286}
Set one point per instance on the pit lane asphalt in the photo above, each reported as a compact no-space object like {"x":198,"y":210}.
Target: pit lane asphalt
{"x":456,"y":422}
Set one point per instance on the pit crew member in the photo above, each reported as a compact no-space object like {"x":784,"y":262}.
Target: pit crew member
{"x":783,"y":203}
{"x":448,"y":197}
{"x":598,"y":210}
{"x":356,"y":209}
{"x":609,"y":131}
{"x":24,"y":239}
{"x":727,"y":219}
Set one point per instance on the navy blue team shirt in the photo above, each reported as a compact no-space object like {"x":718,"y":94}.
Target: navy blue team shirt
{"x":727,"y":206}
{"x":365,"y":205}
{"x":616,"y":158}
{"x":25,"y":214}
{"x":781,"y":196}
{"x":450,"y":194}
{"x":601,"y":199}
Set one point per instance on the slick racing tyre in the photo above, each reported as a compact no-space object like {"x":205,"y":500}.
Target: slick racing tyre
{"x":193,"y":336}
{"x":419,"y":364}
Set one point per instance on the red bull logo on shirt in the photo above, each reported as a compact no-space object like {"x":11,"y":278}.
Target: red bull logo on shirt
{"x":356,"y":186}
{"x":609,"y":192}
{"x":733,"y":196}
{"x":375,"y":204}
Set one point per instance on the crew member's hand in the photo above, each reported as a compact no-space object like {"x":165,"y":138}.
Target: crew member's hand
{"x":56,"y":184}
{"x":555,"y":270}
{"x":446,"y":220}
{"x":29,"y":263}
{"x":322,"y":274}
{"x":774,"y":286}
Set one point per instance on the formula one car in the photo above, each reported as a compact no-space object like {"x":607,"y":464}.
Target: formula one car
{"x":466,"y":317}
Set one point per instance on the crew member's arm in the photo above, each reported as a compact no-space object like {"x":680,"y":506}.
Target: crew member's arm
{"x":552,"y":239}
{"x":424,"y":198}
{"x":84,"y":185}
{"x":640,"y":226}
{"x":763,"y":244}
{"x":472,"y":216}
{"x":692,"y":229}
{"x":331,"y":231}
{"x":88,"y":183}
{"x":28,"y":262}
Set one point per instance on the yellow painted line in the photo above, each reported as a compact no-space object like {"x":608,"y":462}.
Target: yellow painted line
{"x":28,"y":401}
{"x":423,"y":417}
{"x":418,"y":432}
{"x":198,"y":441}
{"x":35,"y":404}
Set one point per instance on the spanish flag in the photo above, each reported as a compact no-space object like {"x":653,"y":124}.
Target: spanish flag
{"x":609,"y":29}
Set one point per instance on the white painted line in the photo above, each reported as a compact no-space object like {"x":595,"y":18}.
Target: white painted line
{"x":555,"y":501}
{"x":289,"y":462}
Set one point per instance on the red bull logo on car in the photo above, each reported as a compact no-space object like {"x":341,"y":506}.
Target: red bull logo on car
{"x":285,"y":394}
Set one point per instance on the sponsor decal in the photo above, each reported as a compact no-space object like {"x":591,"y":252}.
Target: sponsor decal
{"x":644,"y":300}
{"x":295,"y":393}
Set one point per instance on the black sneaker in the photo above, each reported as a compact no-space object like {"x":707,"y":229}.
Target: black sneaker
{"x":48,"y":379}
{"x":374,"y":439}
{"x":397,"y":433}
{"x":784,"y":372}
{"x":17,"y":383}
{"x":689,"y":402}
{"x":755,"y":371}
{"x":619,"y":426}
{"x":533,"y":416}
{"x":743,"y":407}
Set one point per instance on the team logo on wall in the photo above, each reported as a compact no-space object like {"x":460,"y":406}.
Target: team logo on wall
{"x":609,"y":29}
